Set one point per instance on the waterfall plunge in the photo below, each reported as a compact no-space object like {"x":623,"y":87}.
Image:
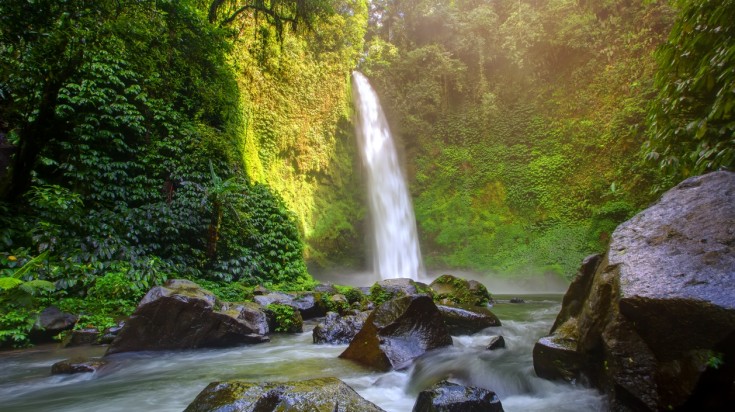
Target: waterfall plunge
{"x":396,"y":248}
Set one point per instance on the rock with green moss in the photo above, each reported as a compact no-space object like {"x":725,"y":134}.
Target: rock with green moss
{"x":449,"y":289}
{"x":182,"y":315}
{"x":397,"y":332}
{"x":388,"y":289}
{"x":317,"y":395}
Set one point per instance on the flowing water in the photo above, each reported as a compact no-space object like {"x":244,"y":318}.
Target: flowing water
{"x":169,"y":381}
{"x":396,"y":248}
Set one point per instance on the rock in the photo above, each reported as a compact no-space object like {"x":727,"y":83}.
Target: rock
{"x":496,"y":342}
{"x":454,"y":290}
{"x":81,"y":337}
{"x":397,"y":332}
{"x":182,"y":315}
{"x":72,"y":366}
{"x":260,"y":290}
{"x":394,"y":288}
{"x":517,"y":300}
{"x":336,"y":329}
{"x":323,"y":394}
{"x":652,"y":322}
{"x":273,"y":297}
{"x":451,"y":397}
{"x":110,"y":333}
{"x":310,"y":305}
{"x":467,"y":320}
{"x":51,"y":321}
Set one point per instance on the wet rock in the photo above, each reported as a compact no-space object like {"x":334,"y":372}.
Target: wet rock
{"x":454,"y":290}
{"x":51,"y":321}
{"x":81,"y":337}
{"x":517,"y":300}
{"x":451,"y":397}
{"x":110,"y":334}
{"x":339,"y":303}
{"x":310,"y":305}
{"x":72,"y":366}
{"x":336,"y":329}
{"x":496,"y":342}
{"x":467,"y":320}
{"x":652,"y":322}
{"x":397,"y":332}
{"x":182,"y":315}
{"x":323,"y":394}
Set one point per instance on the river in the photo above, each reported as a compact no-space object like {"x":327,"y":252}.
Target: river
{"x":169,"y":381}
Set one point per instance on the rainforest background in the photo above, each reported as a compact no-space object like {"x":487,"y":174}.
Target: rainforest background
{"x":142,"y":140}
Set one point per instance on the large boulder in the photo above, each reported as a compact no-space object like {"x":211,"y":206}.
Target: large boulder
{"x":337,"y":330}
{"x":652,"y":322}
{"x":467,"y":320}
{"x":182,"y":315}
{"x":318,"y":395}
{"x":451,"y":397}
{"x":397,"y":332}
{"x":449,"y":289}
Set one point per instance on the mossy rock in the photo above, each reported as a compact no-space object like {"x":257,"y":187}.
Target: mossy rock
{"x":449,"y":289}
{"x":389,"y":289}
{"x":318,"y":395}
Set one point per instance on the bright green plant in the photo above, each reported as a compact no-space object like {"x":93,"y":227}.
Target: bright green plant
{"x":285,"y":317}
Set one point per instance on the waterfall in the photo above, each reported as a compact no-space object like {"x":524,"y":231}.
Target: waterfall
{"x":396,"y":247}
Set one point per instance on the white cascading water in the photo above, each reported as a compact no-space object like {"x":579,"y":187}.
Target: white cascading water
{"x":396,"y":249}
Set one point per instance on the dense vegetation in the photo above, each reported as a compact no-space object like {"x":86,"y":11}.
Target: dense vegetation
{"x":523,"y":126}
{"x":212,"y":139}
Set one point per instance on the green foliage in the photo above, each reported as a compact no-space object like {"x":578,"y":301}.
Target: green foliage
{"x":352,"y":294}
{"x":15,"y":325}
{"x":519,"y":135}
{"x":692,"y":123}
{"x":287,"y":319}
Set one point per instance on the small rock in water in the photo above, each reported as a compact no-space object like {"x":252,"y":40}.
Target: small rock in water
{"x":451,"y":397}
{"x":337,"y":329}
{"x":71,"y":366}
{"x":496,"y":342}
{"x":517,"y":300}
{"x":467,"y":320}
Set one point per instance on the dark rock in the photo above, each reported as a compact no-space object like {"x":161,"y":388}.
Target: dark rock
{"x":110,"y":334}
{"x":450,"y":397}
{"x":71,"y":366}
{"x":336,"y":329}
{"x":454,"y":290}
{"x":397,"y":332}
{"x":182,"y":315}
{"x":339,"y":303}
{"x":496,"y":342}
{"x":467,"y":320}
{"x":517,"y":300}
{"x":310,"y":305}
{"x":51,"y":321}
{"x":81,"y":337}
{"x":652,"y":323}
{"x":323,"y":394}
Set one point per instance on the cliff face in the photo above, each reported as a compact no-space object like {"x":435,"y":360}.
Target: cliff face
{"x":652,"y":322}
